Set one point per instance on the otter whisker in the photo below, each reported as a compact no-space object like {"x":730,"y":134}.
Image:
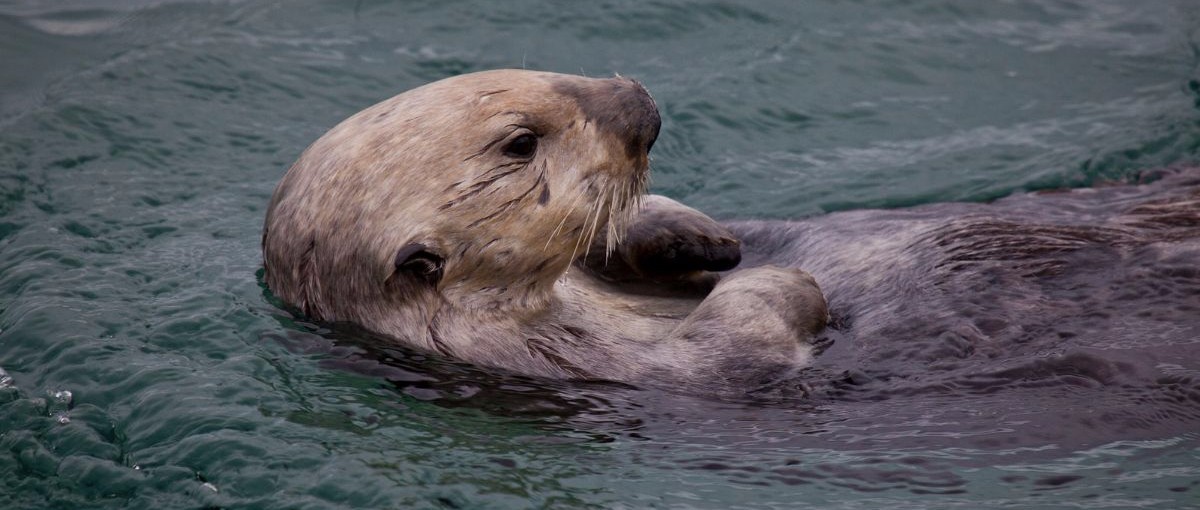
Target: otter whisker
{"x":595,"y":211}
{"x":600,"y":204}
{"x":616,"y":221}
{"x":623,"y":209}
{"x":611,"y":203}
{"x":570,"y":209}
{"x":594,"y":223}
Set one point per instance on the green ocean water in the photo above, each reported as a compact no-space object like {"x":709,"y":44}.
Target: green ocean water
{"x":144,"y":366}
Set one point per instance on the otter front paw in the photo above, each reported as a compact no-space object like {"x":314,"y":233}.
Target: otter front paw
{"x":756,"y":326}
{"x":667,"y":242}
{"x":768,"y":303}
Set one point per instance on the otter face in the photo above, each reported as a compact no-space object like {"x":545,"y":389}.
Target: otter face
{"x":479,"y":189}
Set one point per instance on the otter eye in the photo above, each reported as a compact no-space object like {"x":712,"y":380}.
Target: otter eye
{"x":521,"y":146}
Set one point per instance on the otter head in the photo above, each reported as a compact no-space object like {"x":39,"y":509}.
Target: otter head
{"x":475,"y":192}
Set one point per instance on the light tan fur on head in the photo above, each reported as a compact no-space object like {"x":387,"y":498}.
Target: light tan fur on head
{"x":447,"y":217}
{"x":429,"y":167}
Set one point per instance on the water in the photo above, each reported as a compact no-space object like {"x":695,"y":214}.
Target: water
{"x":140,"y":142}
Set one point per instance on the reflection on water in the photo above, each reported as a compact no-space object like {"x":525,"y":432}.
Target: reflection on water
{"x":140,"y":142}
{"x":1055,"y":428}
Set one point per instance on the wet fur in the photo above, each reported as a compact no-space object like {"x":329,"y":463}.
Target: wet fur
{"x":1034,"y":274}
{"x":411,"y":220}
{"x":404,"y":220}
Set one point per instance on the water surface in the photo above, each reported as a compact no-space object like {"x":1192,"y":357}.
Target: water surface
{"x":147,"y":368}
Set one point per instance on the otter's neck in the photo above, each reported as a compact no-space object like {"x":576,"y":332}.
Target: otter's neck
{"x":514,"y":288}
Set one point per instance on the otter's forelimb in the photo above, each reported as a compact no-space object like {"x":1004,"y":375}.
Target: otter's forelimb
{"x":755,"y":324}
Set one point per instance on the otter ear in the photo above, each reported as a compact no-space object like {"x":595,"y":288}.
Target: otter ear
{"x":416,"y":260}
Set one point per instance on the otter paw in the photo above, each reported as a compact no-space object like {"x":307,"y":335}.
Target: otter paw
{"x":782,"y":302}
{"x":667,"y":241}
{"x":756,"y":326}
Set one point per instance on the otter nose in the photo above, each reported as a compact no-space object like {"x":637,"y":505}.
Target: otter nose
{"x":644,"y":121}
{"x":620,"y":106}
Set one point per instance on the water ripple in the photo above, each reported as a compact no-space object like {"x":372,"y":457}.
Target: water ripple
{"x":140,"y":143}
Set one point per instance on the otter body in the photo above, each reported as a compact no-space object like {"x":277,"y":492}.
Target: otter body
{"x":500,"y":218}
{"x":449,"y":217}
{"x":1103,"y":278}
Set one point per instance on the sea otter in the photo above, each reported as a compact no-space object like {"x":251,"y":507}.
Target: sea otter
{"x":500,"y":218}
{"x":449,"y":218}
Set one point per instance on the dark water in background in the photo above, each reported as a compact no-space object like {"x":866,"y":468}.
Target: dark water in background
{"x":140,"y":141}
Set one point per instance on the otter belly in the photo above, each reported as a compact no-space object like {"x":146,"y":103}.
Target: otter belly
{"x":1101,"y":286}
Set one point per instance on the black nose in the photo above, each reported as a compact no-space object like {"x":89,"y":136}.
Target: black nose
{"x":619,"y":106}
{"x":644,"y":119}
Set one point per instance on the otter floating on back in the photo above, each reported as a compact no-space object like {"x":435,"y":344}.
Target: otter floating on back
{"x":500,"y":218}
